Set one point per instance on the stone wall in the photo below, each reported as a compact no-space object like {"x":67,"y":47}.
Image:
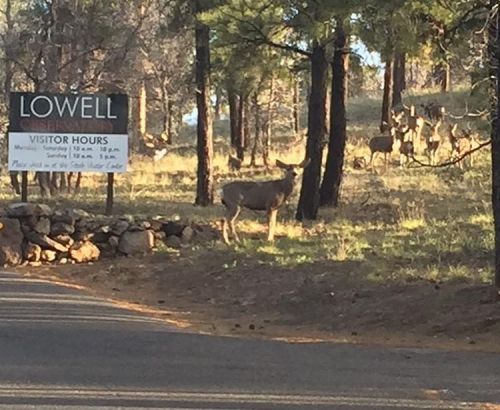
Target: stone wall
{"x":35,"y":233}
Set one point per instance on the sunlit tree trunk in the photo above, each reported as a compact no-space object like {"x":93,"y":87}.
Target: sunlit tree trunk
{"x":330,"y":187}
{"x":399,"y":80}
{"x":386,"y":100}
{"x":494,"y":67}
{"x":205,"y":148}
{"x":307,"y":208}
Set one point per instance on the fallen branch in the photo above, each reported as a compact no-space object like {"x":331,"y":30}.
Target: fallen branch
{"x":451,"y":162}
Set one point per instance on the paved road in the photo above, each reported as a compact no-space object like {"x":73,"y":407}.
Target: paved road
{"x":62,"y":349}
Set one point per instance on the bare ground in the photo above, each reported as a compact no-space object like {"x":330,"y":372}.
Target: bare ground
{"x":212,"y":292}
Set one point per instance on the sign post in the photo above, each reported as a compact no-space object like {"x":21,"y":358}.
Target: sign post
{"x":68,"y":133}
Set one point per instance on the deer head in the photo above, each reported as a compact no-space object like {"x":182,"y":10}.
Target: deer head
{"x":292,"y":169}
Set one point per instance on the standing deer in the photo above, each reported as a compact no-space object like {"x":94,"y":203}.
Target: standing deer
{"x":267,"y":196}
{"x":433,"y":142}
{"x":461,"y":145}
{"x":434,"y":111}
{"x":416,"y":124}
{"x":383,"y":144}
{"x":406,"y":149}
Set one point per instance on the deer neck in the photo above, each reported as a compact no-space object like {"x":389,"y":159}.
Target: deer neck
{"x":287,"y":185}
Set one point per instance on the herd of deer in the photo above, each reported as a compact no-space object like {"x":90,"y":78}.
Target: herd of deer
{"x":408,"y":137}
{"x":50,"y":182}
{"x":270,"y":196}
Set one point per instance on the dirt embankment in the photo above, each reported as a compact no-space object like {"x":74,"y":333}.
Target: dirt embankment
{"x":214,"y":294}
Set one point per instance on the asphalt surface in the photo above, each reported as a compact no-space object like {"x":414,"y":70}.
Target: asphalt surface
{"x":63,"y":349}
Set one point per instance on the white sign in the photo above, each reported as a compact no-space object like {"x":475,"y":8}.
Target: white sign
{"x":68,"y":152}
{"x":68,"y":132}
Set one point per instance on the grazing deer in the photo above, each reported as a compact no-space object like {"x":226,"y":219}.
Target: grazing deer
{"x":267,"y":196}
{"x":416,"y":124}
{"x":434,"y":111}
{"x":461,"y":145}
{"x":233,"y":163}
{"x":383,"y":144}
{"x":433,"y":142}
{"x":406,"y":149}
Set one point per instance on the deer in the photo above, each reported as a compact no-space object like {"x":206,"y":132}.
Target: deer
{"x":416,"y":124}
{"x":267,"y":196}
{"x":406,"y":149}
{"x":234,"y":163}
{"x":461,"y":145}
{"x":383,"y":144}
{"x":434,"y":111}
{"x":433,"y":142}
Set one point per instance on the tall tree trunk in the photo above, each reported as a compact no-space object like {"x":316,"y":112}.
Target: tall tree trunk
{"x":258,"y":128}
{"x":330,"y":187}
{"x":311,"y":178}
{"x":167,"y":115}
{"x":296,"y":106}
{"x":240,"y":146}
{"x":445,"y":77}
{"x":246,"y":124}
{"x":233,"y":102}
{"x":399,"y":83}
{"x":170,"y":122}
{"x":386,"y":101}
{"x":494,"y":67}
{"x":217,"y":105}
{"x":268,"y":125}
{"x":205,"y":183}
{"x":8,"y":70}
{"x":142,"y":112}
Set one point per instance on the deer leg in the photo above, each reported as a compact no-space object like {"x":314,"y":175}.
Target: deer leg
{"x":231,"y":220}
{"x":69,"y":178}
{"x":372,"y":158}
{"x":44,"y":183}
{"x":271,"y":215}
{"x":14,"y":181}
{"x":62,"y":181}
{"x":225,"y":235}
{"x":78,"y":183}
{"x":228,"y":222}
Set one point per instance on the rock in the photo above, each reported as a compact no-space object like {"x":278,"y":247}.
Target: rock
{"x":32,"y":252}
{"x":174,"y":242}
{"x":83,"y":236}
{"x":66,"y":240}
{"x":206,"y":233}
{"x":114,"y":242}
{"x":160,"y":236}
{"x":11,"y":240}
{"x":78,"y":214}
{"x":137,"y":242}
{"x":48,"y":256}
{"x":63,"y":217}
{"x":144,"y":225}
{"x":173,"y":228}
{"x":63,"y":261}
{"x":100,"y":237}
{"x":119,"y":227}
{"x":84,"y":252}
{"x":61,"y":228}
{"x":45,"y":242}
{"x":28,"y":209}
{"x":187,"y":234}
{"x":42,"y":226}
{"x":156,"y":225}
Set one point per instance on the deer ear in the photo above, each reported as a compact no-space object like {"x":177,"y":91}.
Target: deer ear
{"x":280,"y":164}
{"x":305,"y":163}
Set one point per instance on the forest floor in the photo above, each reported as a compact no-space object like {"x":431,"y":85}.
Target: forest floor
{"x":405,"y":260}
